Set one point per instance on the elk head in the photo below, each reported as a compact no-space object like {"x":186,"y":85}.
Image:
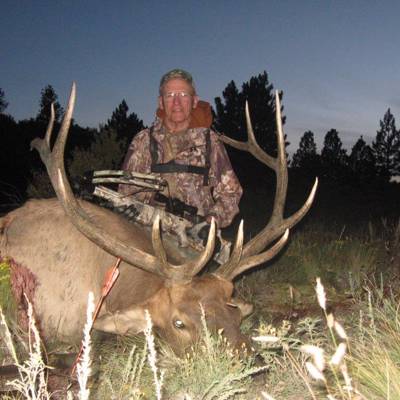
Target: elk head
{"x":175,"y":305}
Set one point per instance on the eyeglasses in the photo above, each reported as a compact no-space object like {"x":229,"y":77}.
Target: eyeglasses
{"x":169,"y":96}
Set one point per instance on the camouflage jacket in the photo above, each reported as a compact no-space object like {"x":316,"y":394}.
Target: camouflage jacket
{"x":220,"y":198}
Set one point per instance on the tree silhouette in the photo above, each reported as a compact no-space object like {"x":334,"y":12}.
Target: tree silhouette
{"x":230,"y":116}
{"x":125,"y":125}
{"x":386,"y":147}
{"x":306,"y":157}
{"x":333,"y":156}
{"x":362,"y":161}
{"x":14,"y":161}
{"x":48,"y":96}
{"x":3,"y":103}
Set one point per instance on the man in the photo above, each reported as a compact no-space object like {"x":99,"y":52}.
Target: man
{"x":182,"y":148}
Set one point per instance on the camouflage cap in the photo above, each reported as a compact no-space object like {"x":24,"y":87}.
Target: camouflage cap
{"x":176,"y":73}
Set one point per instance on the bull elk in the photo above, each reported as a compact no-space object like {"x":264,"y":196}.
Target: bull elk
{"x":61,"y":250}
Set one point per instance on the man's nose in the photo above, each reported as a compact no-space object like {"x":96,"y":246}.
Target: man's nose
{"x":176,"y":99}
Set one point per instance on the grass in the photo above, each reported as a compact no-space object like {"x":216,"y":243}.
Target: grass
{"x":353,"y":353}
{"x":375,"y":357}
{"x":6,"y":300}
{"x":298,"y":361}
{"x":211,"y":370}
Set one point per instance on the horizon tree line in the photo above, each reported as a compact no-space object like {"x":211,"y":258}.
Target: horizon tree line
{"x":364,"y":162}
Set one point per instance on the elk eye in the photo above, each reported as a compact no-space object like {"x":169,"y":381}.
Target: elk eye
{"x":233,"y":305}
{"x":179,"y":324}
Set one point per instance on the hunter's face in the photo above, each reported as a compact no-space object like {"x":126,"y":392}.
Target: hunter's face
{"x":177,"y":100}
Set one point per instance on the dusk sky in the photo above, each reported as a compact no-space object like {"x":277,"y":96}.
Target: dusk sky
{"x":337,"y":62}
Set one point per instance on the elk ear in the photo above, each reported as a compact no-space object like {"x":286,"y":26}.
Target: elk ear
{"x":245,"y":308}
{"x":128,"y":321}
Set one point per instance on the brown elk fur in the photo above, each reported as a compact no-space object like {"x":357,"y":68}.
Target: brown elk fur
{"x":64,"y":266}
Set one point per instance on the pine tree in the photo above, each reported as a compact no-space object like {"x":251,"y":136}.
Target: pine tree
{"x":49,"y":96}
{"x":386,"y":147}
{"x":125,"y":125}
{"x":362,"y":161}
{"x":3,"y":103}
{"x":230,"y":117}
{"x":306,"y":156}
{"x":333,"y":156}
{"x":230,"y":112}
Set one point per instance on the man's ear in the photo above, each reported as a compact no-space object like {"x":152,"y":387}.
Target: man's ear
{"x":131,"y":320}
{"x":195,"y":101}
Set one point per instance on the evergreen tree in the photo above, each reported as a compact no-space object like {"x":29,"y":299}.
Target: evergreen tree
{"x":105,"y":152}
{"x":125,"y":125}
{"x":386,"y":147}
{"x":306,"y":156}
{"x":48,"y":96}
{"x":362,"y":161}
{"x":333,"y":156}
{"x":3,"y":103}
{"x":230,"y":117}
{"x":230,"y":112}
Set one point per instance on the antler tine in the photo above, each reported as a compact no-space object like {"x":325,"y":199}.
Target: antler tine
{"x":43,"y":146}
{"x":253,"y":261}
{"x":251,"y":144}
{"x":234,"y":260}
{"x":185,"y":272}
{"x":277,"y":224}
{"x":50,"y":126}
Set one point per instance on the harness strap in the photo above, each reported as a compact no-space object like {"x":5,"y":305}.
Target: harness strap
{"x":172,"y":166}
{"x":207,"y":156}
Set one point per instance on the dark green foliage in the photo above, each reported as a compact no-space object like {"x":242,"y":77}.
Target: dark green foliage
{"x":3,"y":103}
{"x":333,"y":156}
{"x":48,"y":96}
{"x":362,"y":161}
{"x":386,"y":147}
{"x":306,"y":157}
{"x":126,"y":126}
{"x":22,"y":169}
{"x":14,"y":162}
{"x":105,"y":152}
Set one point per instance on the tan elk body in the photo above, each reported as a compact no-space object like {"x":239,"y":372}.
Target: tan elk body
{"x":63,"y":247}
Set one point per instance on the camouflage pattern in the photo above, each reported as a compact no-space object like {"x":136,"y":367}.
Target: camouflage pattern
{"x":222,"y":195}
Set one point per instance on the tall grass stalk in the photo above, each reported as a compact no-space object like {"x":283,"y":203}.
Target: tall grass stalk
{"x":333,"y":372}
{"x":6,"y":335}
{"x":31,"y":382}
{"x":83,"y":368}
{"x":152,"y":356}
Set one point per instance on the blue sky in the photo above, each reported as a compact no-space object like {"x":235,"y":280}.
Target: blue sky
{"x":338,"y":62}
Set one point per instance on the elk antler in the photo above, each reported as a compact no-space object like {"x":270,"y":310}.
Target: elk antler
{"x":54,"y":161}
{"x":248,"y":256}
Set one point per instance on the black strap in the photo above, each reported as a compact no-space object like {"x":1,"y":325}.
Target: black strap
{"x":172,"y":166}
{"x":207,"y":156}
